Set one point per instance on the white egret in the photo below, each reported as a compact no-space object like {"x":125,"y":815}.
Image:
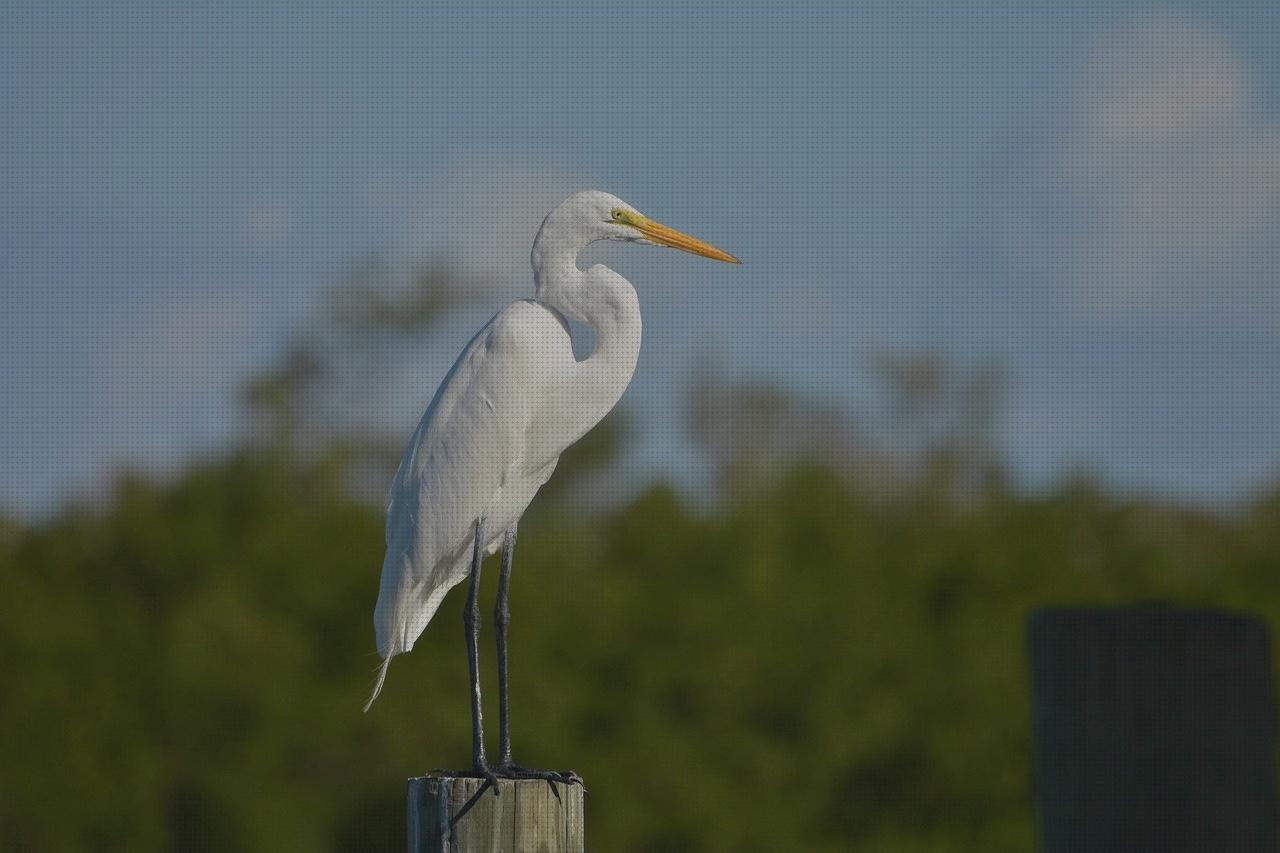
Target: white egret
{"x":512,"y":403}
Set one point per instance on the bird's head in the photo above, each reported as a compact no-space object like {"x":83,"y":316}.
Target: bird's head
{"x":595,"y":215}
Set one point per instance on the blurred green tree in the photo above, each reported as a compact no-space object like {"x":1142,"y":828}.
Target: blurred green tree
{"x":186,"y":668}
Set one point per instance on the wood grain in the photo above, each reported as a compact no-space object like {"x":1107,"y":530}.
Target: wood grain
{"x":526,"y":817}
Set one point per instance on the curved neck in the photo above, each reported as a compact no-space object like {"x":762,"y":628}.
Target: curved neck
{"x":605,"y":301}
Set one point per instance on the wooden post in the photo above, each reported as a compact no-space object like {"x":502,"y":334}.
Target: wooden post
{"x":1155,"y":730}
{"x":526,"y":817}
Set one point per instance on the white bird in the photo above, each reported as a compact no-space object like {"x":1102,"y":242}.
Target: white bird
{"x":515,"y":399}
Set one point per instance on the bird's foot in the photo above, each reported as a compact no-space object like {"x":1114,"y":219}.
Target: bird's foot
{"x":551,"y":777}
{"x":480,"y":771}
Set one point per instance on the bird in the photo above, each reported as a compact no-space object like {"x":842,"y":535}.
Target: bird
{"x":515,"y":399}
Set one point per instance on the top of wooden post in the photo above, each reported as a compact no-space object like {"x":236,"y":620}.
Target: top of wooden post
{"x":526,"y":816}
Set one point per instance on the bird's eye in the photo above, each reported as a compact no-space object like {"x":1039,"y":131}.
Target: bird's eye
{"x":617,"y":214}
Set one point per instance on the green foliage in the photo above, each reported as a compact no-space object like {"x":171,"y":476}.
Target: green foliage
{"x":804,"y":669}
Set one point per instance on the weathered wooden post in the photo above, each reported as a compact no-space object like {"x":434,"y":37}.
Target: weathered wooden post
{"x":527,"y":816}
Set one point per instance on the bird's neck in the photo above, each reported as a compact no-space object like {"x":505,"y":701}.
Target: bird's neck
{"x":605,"y":301}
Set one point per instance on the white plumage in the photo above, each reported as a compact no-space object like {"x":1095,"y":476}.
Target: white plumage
{"x":512,"y":403}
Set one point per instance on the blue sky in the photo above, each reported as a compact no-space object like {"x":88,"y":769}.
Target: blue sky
{"x":1090,"y":192}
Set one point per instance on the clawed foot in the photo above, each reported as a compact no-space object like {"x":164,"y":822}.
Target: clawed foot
{"x":515,"y":771}
{"x":491,"y":775}
{"x":551,"y":777}
{"x":480,"y":772}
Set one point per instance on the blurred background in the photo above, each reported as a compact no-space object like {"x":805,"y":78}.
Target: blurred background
{"x":1007,"y":335}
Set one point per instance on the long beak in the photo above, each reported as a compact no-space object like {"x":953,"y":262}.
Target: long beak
{"x":658,"y":233}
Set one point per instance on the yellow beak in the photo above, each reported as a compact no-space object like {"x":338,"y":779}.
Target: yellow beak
{"x":662,"y":235}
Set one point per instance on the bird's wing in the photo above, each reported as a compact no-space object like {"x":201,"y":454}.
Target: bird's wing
{"x":469,"y":442}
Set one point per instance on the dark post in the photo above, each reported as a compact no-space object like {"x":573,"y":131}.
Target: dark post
{"x":1154,"y":730}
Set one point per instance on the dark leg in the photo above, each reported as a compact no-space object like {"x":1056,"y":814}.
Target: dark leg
{"x":501,"y":617}
{"x":471,"y":621}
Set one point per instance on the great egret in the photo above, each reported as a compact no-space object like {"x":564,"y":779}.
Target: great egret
{"x":511,"y":404}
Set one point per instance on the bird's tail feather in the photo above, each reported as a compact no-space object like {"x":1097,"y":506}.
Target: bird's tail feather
{"x":382,"y":676}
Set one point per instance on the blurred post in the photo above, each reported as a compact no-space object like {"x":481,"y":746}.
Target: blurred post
{"x":528,"y":816}
{"x":1154,"y":730}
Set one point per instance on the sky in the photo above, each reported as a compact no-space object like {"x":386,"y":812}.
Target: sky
{"x":1089,"y":193}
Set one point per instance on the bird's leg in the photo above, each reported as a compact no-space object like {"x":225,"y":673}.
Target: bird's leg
{"x":501,"y":617}
{"x":471,"y":621}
